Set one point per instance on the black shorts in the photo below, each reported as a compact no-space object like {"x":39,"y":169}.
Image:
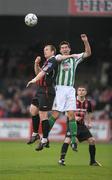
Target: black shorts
{"x":83,"y":132}
{"x":44,"y":99}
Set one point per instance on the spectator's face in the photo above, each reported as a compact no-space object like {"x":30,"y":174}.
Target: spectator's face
{"x":64,"y":49}
{"x":81,"y":92}
{"x":48,"y":52}
{"x":1,"y":97}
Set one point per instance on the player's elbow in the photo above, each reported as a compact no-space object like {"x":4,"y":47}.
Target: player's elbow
{"x":88,"y":53}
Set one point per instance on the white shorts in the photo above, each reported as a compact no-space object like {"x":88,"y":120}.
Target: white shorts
{"x":65,"y":99}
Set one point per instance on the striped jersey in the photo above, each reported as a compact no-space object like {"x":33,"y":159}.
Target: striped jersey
{"x":50,"y":68}
{"x":67,"y":70}
{"x":82,"y":108}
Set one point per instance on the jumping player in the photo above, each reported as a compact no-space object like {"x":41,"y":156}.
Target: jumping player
{"x":65,"y":100}
{"x":45,"y":90}
{"x":34,"y":107}
{"x":45,"y":94}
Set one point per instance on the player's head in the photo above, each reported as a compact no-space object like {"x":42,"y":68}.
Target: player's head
{"x":64,"y":48}
{"x":49,"y":50}
{"x":81,"y":91}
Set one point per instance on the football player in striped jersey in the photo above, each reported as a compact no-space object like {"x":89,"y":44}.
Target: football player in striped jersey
{"x":65,"y":100}
{"x":83,"y":116}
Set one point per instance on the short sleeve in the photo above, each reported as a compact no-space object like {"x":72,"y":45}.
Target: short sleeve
{"x":78,"y":57}
{"x":90,"y":108}
{"x":58,"y":57}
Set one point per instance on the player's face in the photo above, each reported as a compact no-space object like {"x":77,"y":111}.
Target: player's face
{"x":48,"y":52}
{"x":64,"y":49}
{"x":81,"y":92}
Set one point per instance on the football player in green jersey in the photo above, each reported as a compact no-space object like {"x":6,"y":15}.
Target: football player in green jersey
{"x":65,"y":100}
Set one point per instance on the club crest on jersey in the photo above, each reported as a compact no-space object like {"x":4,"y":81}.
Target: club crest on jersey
{"x":66,"y":66}
{"x":49,"y":64}
{"x":46,"y":67}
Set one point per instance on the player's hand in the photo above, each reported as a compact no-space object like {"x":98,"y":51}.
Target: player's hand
{"x":38,"y":60}
{"x":77,"y":118}
{"x":84,"y":37}
{"x":89,"y":126}
{"x":30,"y":82}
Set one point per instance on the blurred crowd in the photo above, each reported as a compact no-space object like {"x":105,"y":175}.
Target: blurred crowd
{"x":15,"y":100}
{"x":16,"y":68}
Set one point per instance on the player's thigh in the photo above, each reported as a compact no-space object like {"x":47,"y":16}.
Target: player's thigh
{"x":60,"y":99}
{"x":50,"y":100}
{"x":83,"y":133}
{"x":45,"y":101}
{"x":71,"y":100}
{"x":35,"y":101}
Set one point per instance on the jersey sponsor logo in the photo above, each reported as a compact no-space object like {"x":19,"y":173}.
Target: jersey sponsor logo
{"x":46,"y":67}
{"x":66,"y":66}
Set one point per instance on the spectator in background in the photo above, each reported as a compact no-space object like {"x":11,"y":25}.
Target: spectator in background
{"x":2,"y":106}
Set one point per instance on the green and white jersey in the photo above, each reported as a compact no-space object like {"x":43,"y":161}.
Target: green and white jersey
{"x":67,"y":70}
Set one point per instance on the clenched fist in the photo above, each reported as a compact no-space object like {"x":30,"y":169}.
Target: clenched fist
{"x":84,"y":37}
{"x":37,"y":60}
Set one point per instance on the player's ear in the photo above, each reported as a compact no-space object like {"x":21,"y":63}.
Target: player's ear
{"x":85,"y":92}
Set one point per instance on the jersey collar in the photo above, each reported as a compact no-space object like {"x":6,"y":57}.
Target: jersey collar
{"x":50,"y":58}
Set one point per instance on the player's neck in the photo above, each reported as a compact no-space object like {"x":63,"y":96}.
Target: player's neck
{"x":81,"y":98}
{"x":50,"y":57}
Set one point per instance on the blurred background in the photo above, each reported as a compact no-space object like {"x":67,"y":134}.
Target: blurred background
{"x":20,"y":44}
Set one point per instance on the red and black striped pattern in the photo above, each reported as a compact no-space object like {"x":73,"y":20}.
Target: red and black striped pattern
{"x":83,"y":108}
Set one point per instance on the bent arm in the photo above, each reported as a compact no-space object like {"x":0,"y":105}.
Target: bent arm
{"x":87,"y":47}
{"x":37,"y":68}
{"x":60,"y":57}
{"x":87,"y":52}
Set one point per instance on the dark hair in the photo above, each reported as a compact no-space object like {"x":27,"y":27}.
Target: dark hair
{"x":82,"y":86}
{"x":52,"y":48}
{"x":63,"y":43}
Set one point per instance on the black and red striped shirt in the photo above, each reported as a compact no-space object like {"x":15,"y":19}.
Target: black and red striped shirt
{"x":82,"y":108}
{"x":50,"y":69}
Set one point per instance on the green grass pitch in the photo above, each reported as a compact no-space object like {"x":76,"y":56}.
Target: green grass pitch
{"x":19,"y":161}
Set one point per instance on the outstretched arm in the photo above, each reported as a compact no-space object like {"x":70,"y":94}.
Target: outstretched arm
{"x":87,"y":51}
{"x":60,"y":57}
{"x":38,"y":77}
